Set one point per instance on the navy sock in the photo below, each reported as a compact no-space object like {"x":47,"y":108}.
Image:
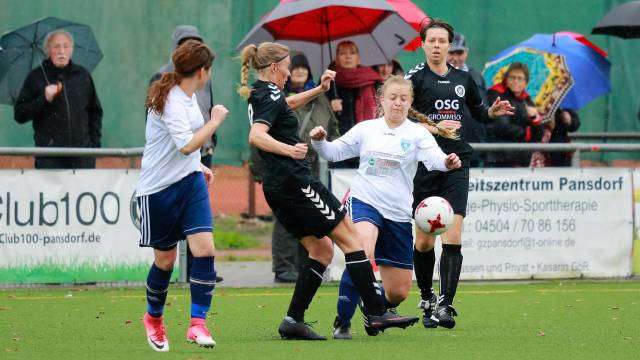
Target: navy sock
{"x":202,"y":283}
{"x":361,"y":274}
{"x":348,"y":298}
{"x":450,"y":267}
{"x":309,"y":280}
{"x":424,"y":263}
{"x":157,"y":288}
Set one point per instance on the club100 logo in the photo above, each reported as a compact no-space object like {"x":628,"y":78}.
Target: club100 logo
{"x":86,"y":208}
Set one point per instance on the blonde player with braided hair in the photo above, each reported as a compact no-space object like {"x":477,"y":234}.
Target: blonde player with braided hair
{"x":381,"y":193}
{"x":301,"y":203}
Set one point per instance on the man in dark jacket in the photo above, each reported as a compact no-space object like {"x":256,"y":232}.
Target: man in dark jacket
{"x":475,"y":132}
{"x":60,"y":98}
{"x":181,"y":34}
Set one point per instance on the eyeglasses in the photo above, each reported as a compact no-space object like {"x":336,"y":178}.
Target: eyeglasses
{"x":516,"y":78}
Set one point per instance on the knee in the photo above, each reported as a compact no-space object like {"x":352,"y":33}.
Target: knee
{"x":165,"y":262}
{"x":322,"y":252}
{"x":453,"y":236}
{"x":424,"y":242}
{"x":398,"y":294}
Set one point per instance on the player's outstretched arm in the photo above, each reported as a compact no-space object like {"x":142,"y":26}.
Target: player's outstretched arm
{"x":200,"y":137}
{"x":345,"y":147}
{"x":298,"y":100}
{"x":259,"y":138}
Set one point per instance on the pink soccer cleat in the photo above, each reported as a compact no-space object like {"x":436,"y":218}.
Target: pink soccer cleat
{"x":199,"y":334}
{"x":156,"y":333}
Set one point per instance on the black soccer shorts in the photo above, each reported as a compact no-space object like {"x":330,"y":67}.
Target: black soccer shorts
{"x":304,"y":210}
{"x":452,"y":185}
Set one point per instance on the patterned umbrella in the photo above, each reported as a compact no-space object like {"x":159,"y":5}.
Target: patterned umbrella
{"x":549,"y":77}
{"x":589,"y":69}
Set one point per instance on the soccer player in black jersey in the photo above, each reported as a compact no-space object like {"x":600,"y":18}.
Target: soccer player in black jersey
{"x":301,"y":203}
{"x":441,"y":92}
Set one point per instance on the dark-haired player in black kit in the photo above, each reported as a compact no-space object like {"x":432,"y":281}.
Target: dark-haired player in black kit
{"x":301,"y":203}
{"x":441,"y":92}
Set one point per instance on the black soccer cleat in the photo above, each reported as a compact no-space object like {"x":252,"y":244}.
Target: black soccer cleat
{"x":390,"y":319}
{"x":290,"y":329}
{"x":365,"y":320}
{"x":429,"y":319}
{"x":340,"y":330}
{"x":367,"y":328}
{"x":445,"y":315}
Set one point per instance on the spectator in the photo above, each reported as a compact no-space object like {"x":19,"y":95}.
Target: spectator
{"x":287,"y":252}
{"x":475,"y":132}
{"x":353,"y":98}
{"x":61,"y":100}
{"x":393,"y":67}
{"x":181,"y":34}
{"x":564,"y":122}
{"x":522,"y":126}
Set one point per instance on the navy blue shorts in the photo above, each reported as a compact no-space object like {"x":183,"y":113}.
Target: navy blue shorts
{"x":394,"y":246}
{"x":168,"y":216}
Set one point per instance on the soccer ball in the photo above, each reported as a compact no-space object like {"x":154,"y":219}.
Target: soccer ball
{"x":434,"y":215}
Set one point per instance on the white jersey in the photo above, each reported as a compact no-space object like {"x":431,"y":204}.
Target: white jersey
{"x":162,"y":162}
{"x":388,"y":162}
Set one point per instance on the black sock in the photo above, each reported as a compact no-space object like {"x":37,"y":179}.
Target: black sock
{"x":424,"y":262}
{"x":450,"y":266}
{"x":309,"y":280}
{"x":361,"y":274}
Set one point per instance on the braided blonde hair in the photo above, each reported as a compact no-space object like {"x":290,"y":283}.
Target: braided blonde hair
{"x":413,"y":113}
{"x":258,"y":57}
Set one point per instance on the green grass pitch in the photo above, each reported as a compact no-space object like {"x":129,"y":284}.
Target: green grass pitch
{"x":539,"y":320}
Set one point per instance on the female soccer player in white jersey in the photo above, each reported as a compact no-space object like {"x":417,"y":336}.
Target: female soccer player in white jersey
{"x":381,"y":193}
{"x":300,"y":202}
{"x":172,"y":190}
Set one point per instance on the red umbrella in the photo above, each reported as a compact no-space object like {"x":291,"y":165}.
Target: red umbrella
{"x":412,"y":14}
{"x":315,"y":28}
{"x":581,"y":38}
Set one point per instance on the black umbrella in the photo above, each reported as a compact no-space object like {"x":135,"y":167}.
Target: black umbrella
{"x":22,"y":50}
{"x":623,"y":21}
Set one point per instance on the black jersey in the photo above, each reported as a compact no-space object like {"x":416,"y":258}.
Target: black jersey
{"x":443,"y":97}
{"x":268,"y":105}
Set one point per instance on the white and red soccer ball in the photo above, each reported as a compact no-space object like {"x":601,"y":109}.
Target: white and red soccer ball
{"x":434,"y":215}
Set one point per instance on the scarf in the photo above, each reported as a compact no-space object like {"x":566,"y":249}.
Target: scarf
{"x":363,"y":79}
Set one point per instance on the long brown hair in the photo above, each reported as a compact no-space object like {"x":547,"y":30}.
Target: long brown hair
{"x":258,"y":57}
{"x":413,"y":113}
{"x":188,"y":58}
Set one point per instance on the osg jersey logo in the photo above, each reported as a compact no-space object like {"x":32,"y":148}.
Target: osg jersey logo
{"x":447,"y":104}
{"x":459,"y":89}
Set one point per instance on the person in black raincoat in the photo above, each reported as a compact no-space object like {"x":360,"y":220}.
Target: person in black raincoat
{"x":60,"y":99}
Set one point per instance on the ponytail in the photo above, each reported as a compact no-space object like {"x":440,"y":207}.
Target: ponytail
{"x":258,"y":57}
{"x":159,"y":90}
{"x":247,"y":56}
